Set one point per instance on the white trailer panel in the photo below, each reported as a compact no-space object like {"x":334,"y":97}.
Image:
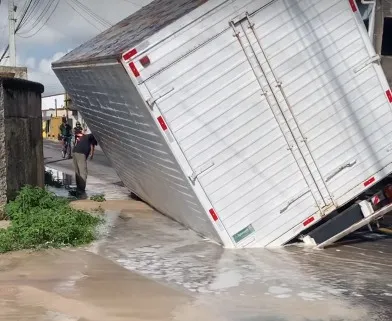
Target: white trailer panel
{"x":266,"y":114}
{"x":133,"y":143}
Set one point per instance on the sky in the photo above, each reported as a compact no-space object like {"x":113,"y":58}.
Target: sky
{"x":65,"y":30}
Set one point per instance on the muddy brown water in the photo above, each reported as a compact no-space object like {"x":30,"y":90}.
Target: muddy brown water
{"x":147,"y":267}
{"x":75,"y":284}
{"x":78,"y":285}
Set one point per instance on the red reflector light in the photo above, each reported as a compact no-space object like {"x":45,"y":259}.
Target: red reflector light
{"x":369,"y":181}
{"x":130,"y":54}
{"x":389,"y":95}
{"x":308,"y":221}
{"x":353,"y":5}
{"x":134,"y":69}
{"x":375,"y":200}
{"x":213,"y":214}
{"x":145,"y":61}
{"x":162,"y":122}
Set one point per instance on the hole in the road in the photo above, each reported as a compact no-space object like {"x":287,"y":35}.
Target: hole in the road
{"x":60,"y":183}
{"x":63,"y":184}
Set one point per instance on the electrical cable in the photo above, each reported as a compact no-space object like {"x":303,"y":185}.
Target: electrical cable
{"x":134,"y":3}
{"x":32,"y":8}
{"x":44,"y":11}
{"x":4,"y":53}
{"x":23,"y":15}
{"x":88,"y":21}
{"x":42,"y":17}
{"x":92,"y":14}
{"x":46,"y":21}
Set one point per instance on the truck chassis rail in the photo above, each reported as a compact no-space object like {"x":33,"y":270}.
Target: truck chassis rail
{"x":373,"y":217}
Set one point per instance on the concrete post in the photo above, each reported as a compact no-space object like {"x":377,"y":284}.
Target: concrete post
{"x":11,"y":33}
{"x":21,"y":145}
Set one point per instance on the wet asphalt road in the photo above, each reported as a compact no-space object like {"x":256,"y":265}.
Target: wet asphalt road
{"x":101,"y":179}
{"x":52,"y":154}
{"x":351,"y":281}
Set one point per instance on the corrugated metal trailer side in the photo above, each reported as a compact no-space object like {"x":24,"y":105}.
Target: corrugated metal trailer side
{"x":116,"y":114}
{"x":279,"y":109}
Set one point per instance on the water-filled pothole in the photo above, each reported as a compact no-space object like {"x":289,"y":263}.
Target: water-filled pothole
{"x":63,"y":184}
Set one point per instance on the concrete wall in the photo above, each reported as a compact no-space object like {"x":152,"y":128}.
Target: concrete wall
{"x":13,"y":72}
{"x":21,"y":146}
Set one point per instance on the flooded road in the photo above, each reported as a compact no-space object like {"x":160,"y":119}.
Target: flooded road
{"x":147,"y":267}
{"x":71,"y":285}
{"x":349,"y":282}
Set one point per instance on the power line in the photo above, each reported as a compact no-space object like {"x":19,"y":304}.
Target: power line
{"x":73,"y":8}
{"x":30,"y":13}
{"x":25,"y":10}
{"x":92,"y":14}
{"x":44,"y":11}
{"x":4,"y":53}
{"x":41,"y":17}
{"x":134,"y":3}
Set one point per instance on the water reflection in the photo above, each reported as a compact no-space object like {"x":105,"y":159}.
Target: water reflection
{"x":63,"y":184}
{"x":58,"y":179}
{"x":344,"y":283}
{"x":349,"y":282}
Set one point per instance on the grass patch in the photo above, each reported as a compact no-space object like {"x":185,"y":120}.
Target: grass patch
{"x":40,"y":219}
{"x":98,"y":198}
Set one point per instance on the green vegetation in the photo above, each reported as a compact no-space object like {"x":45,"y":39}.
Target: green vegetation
{"x":40,"y":219}
{"x":98,"y":198}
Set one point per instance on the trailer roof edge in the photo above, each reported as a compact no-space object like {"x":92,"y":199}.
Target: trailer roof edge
{"x":84,"y":63}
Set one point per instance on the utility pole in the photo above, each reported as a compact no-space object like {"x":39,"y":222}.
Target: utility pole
{"x":11,"y":33}
{"x":66,"y":104}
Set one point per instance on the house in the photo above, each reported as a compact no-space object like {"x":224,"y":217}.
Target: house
{"x":54,"y":107}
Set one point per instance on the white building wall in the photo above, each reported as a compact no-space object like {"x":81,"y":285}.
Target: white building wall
{"x":49,"y":110}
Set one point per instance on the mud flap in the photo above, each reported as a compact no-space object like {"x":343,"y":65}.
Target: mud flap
{"x":338,"y":224}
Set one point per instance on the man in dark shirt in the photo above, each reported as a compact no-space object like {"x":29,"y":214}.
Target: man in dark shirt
{"x":82,"y":151}
{"x":65,"y":131}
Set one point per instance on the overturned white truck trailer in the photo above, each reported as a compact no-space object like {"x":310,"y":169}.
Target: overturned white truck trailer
{"x":252,"y":122}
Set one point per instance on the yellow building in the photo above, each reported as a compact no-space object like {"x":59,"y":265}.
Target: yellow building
{"x":53,"y":109}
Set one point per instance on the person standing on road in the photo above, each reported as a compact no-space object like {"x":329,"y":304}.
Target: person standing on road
{"x":78,"y":132}
{"x":82,"y":151}
{"x":65,"y":131}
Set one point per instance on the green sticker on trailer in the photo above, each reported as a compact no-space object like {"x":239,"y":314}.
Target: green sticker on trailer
{"x":239,"y":236}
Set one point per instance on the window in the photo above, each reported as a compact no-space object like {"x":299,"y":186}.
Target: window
{"x":386,"y":49}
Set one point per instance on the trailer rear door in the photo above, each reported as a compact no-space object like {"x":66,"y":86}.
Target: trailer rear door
{"x":228,"y":127}
{"x":325,"y":74}
{"x":281,"y":115}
